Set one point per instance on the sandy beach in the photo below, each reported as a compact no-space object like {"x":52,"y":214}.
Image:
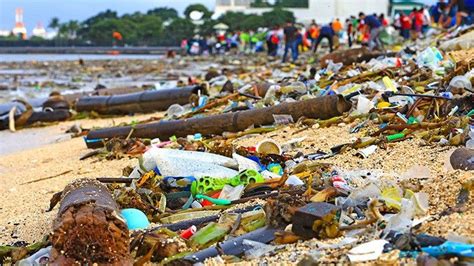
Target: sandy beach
{"x":23,"y":216}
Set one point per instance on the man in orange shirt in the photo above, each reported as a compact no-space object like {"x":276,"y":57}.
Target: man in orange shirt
{"x":337,"y":27}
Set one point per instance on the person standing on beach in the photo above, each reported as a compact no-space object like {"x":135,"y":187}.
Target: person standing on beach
{"x":291,"y":43}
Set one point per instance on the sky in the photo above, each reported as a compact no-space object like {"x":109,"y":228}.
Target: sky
{"x":35,"y":11}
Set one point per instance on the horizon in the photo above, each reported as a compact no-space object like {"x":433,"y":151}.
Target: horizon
{"x":40,"y":11}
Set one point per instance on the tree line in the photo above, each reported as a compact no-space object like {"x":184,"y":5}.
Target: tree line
{"x":161,"y":26}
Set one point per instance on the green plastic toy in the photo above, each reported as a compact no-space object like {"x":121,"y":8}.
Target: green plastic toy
{"x":213,"y":200}
{"x":206,"y":183}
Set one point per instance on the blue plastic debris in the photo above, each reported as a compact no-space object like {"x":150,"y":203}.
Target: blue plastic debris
{"x":451,"y":248}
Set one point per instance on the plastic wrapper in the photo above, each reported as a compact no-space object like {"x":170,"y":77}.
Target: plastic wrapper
{"x":171,"y":162}
{"x":461,"y":82}
{"x":258,"y":249}
{"x":367,"y":251}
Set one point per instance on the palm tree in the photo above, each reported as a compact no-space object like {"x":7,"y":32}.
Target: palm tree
{"x":54,"y":23}
{"x":73,"y":26}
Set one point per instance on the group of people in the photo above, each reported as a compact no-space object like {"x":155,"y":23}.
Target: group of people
{"x":244,"y":41}
{"x":291,"y":38}
{"x":443,"y":14}
{"x":451,"y":13}
{"x":366,"y":29}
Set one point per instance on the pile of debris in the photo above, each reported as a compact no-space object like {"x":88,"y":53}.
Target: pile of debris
{"x":204,"y":190}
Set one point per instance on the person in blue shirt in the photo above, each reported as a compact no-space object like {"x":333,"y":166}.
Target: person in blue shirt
{"x":436,"y":11}
{"x":327,"y":32}
{"x":373,"y":25}
{"x":465,"y":11}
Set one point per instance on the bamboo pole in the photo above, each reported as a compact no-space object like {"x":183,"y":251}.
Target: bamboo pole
{"x":140,"y":102}
{"x":322,"y":107}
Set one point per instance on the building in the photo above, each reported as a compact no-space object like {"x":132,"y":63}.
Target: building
{"x":322,"y":11}
{"x":39,"y":31}
{"x":406,"y":6}
{"x":5,"y":33}
{"x":19,"y":29}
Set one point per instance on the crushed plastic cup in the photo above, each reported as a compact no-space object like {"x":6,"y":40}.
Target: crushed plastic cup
{"x":470,"y":144}
{"x":430,"y":57}
{"x":333,"y":67}
{"x":402,"y":221}
{"x":175,"y":110}
{"x":364,"y":105}
{"x":231,"y":193}
{"x":461,"y":82}
{"x":366,"y":152}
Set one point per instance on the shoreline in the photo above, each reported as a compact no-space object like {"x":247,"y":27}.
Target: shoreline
{"x":104,"y":50}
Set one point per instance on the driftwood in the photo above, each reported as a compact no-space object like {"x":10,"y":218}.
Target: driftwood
{"x":140,"y":102}
{"x":70,"y":98}
{"x":88,"y":228}
{"x":322,"y":107}
{"x":57,"y":115}
{"x":350,"y":56}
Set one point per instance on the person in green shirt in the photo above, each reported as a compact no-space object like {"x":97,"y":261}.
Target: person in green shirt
{"x":244,"y":41}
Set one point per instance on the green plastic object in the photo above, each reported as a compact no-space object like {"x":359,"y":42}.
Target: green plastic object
{"x":213,"y":200}
{"x":471,"y":113}
{"x":395,"y":136}
{"x":209,"y":235}
{"x":206,"y":184}
{"x":412,"y":120}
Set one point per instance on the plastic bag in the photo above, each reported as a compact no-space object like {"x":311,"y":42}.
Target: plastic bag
{"x":364,"y":105}
{"x":461,"y":82}
{"x":332,"y":67}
